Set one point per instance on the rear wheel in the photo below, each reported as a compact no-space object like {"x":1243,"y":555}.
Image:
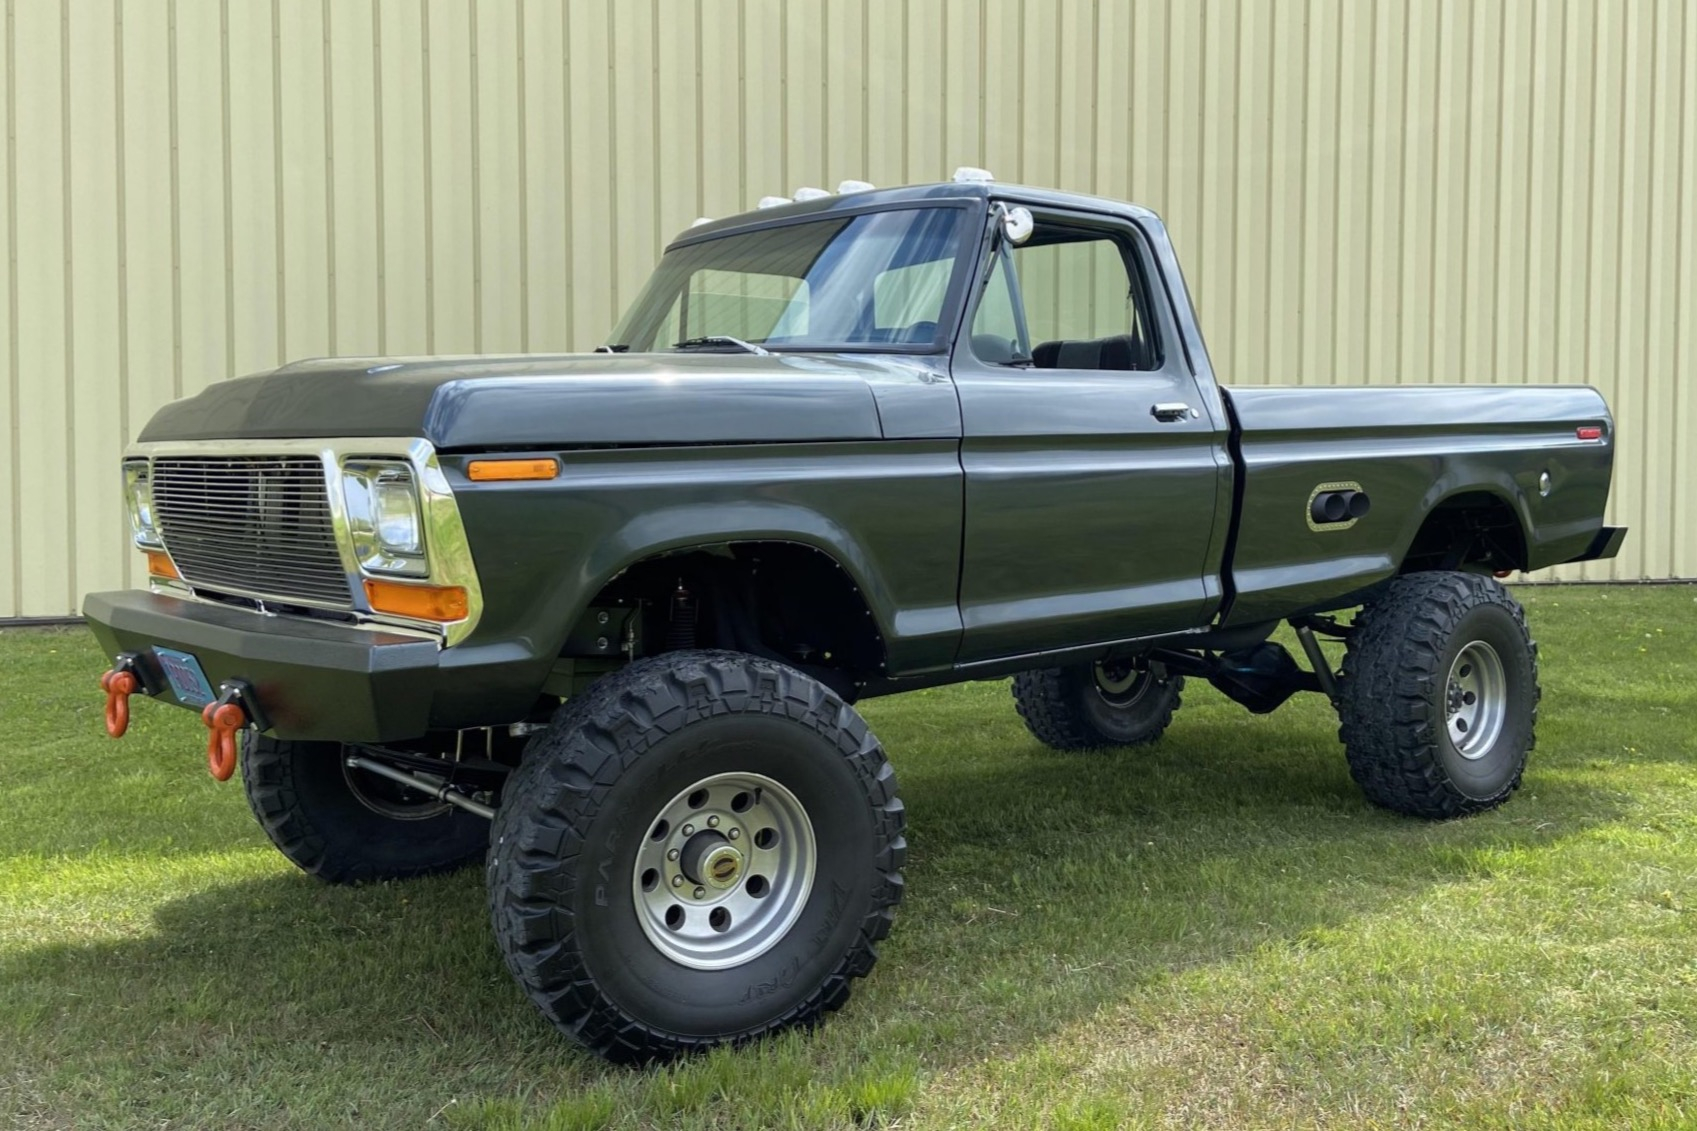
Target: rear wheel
{"x":1091,"y":706}
{"x":1439,"y":695}
{"x":704,"y":850}
{"x":345,"y":825}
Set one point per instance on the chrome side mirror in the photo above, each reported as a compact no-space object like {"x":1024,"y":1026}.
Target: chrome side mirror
{"x":1017,"y":224}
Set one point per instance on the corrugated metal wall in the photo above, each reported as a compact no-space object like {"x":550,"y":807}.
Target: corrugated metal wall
{"x":1384,"y":191}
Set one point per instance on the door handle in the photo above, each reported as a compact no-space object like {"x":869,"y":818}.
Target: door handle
{"x":1172,"y":412}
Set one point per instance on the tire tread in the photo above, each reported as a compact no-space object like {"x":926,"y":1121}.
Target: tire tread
{"x":1385,"y":717}
{"x":561,"y":784}
{"x":1048,"y":700}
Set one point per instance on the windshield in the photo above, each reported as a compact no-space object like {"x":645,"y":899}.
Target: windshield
{"x":878,"y":281}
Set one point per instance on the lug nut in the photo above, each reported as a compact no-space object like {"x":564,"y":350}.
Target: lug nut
{"x":712,"y":822}
{"x":687,"y":830}
{"x":672,"y":855}
{"x":734,"y":833}
{"x":677,"y":881}
{"x":701,"y":893}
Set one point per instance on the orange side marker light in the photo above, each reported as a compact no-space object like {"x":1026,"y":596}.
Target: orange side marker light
{"x":119,"y":686}
{"x":509,"y":470}
{"x":441,"y":603}
{"x":159,"y":564}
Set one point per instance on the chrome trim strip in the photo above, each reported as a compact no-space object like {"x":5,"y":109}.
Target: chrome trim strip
{"x":447,"y":549}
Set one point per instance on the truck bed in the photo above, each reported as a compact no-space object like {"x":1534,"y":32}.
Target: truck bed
{"x":1413,"y":449}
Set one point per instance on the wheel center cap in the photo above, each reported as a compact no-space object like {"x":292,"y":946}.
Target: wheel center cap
{"x":709,"y":859}
{"x":722,"y":867}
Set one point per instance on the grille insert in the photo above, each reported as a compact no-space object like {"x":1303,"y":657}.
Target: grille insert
{"x":253,"y":525}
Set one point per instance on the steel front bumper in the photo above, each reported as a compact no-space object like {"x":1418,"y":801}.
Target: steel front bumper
{"x":313,"y":680}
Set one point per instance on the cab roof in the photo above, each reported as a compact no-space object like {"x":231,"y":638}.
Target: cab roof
{"x":906,"y":196}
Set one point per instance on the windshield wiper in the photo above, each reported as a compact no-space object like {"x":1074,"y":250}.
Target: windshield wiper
{"x":720,"y":340}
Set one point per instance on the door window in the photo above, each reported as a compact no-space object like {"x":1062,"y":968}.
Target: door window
{"x":1084,"y":303}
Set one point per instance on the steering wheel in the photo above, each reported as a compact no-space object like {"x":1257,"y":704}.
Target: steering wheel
{"x":917,"y":332}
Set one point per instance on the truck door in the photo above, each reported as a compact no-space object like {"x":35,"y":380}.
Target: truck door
{"x":1097,"y":481}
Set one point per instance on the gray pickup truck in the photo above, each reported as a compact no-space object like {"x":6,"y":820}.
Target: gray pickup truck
{"x":600,"y":619}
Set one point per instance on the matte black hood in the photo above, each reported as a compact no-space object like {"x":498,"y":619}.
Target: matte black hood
{"x":541,"y":401}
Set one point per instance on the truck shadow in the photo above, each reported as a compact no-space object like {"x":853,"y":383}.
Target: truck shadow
{"x":1039,"y":886}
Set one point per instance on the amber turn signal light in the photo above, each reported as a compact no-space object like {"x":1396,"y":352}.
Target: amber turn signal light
{"x":444,"y":603}
{"x":159,"y":564}
{"x":506,"y":470}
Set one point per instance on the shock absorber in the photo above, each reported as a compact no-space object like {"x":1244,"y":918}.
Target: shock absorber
{"x":680,"y":629}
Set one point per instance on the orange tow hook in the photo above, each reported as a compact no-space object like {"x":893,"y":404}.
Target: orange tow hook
{"x":119,"y":684}
{"x":223,"y":719}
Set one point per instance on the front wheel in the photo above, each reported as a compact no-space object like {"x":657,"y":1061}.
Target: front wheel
{"x":1094,"y":706}
{"x":704,"y":850}
{"x":1439,"y":695}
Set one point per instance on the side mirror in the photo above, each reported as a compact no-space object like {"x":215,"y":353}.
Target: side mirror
{"x":1017,"y":225}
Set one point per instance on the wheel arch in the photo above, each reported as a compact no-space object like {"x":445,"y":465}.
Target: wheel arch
{"x":805,"y":577}
{"x":1475,"y":525}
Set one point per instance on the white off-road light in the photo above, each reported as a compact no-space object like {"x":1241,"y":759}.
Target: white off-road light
{"x":383,"y":517}
{"x":700,"y":220}
{"x":854,"y":186}
{"x":808,"y":192}
{"x":772,"y":201}
{"x":972,"y":175}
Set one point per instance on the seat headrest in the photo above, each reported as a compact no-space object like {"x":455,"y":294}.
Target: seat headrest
{"x":1118,"y":352}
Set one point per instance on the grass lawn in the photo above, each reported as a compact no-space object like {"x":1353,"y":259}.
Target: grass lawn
{"x":1215,"y":932}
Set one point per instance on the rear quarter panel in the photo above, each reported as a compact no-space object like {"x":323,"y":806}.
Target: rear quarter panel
{"x":1410,"y":448}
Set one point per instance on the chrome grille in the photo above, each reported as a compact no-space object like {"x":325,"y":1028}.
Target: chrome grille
{"x":259,"y":526}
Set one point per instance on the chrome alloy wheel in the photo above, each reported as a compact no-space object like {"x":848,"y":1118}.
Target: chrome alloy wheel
{"x":1120,"y":684}
{"x":1476,"y":700}
{"x":724,"y":871}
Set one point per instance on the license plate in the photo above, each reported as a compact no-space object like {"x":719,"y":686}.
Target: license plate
{"x":188,"y":682}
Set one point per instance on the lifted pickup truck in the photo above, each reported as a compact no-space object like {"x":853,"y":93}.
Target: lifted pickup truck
{"x":620,"y":604}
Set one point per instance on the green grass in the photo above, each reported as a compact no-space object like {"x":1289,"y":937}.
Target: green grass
{"x":1216,"y":932}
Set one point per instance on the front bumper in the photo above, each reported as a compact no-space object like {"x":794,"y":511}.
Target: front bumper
{"x":313,"y":680}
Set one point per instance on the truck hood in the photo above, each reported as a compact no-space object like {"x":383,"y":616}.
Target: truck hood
{"x":536,"y":401}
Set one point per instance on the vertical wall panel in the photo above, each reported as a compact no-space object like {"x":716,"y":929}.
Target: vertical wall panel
{"x":402,"y":170}
{"x":351,"y":166}
{"x":1680,"y":474}
{"x":496,"y":208}
{"x":1390,"y":191}
{"x":203,"y":290}
{"x":455,"y":320}
{"x":633,"y":170}
{"x":255,"y":249}
{"x":594,"y":210}
{"x":306,"y":217}
{"x":94,"y":416}
{"x":547,"y":172}
{"x":44,"y":329}
{"x":11,"y":391}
